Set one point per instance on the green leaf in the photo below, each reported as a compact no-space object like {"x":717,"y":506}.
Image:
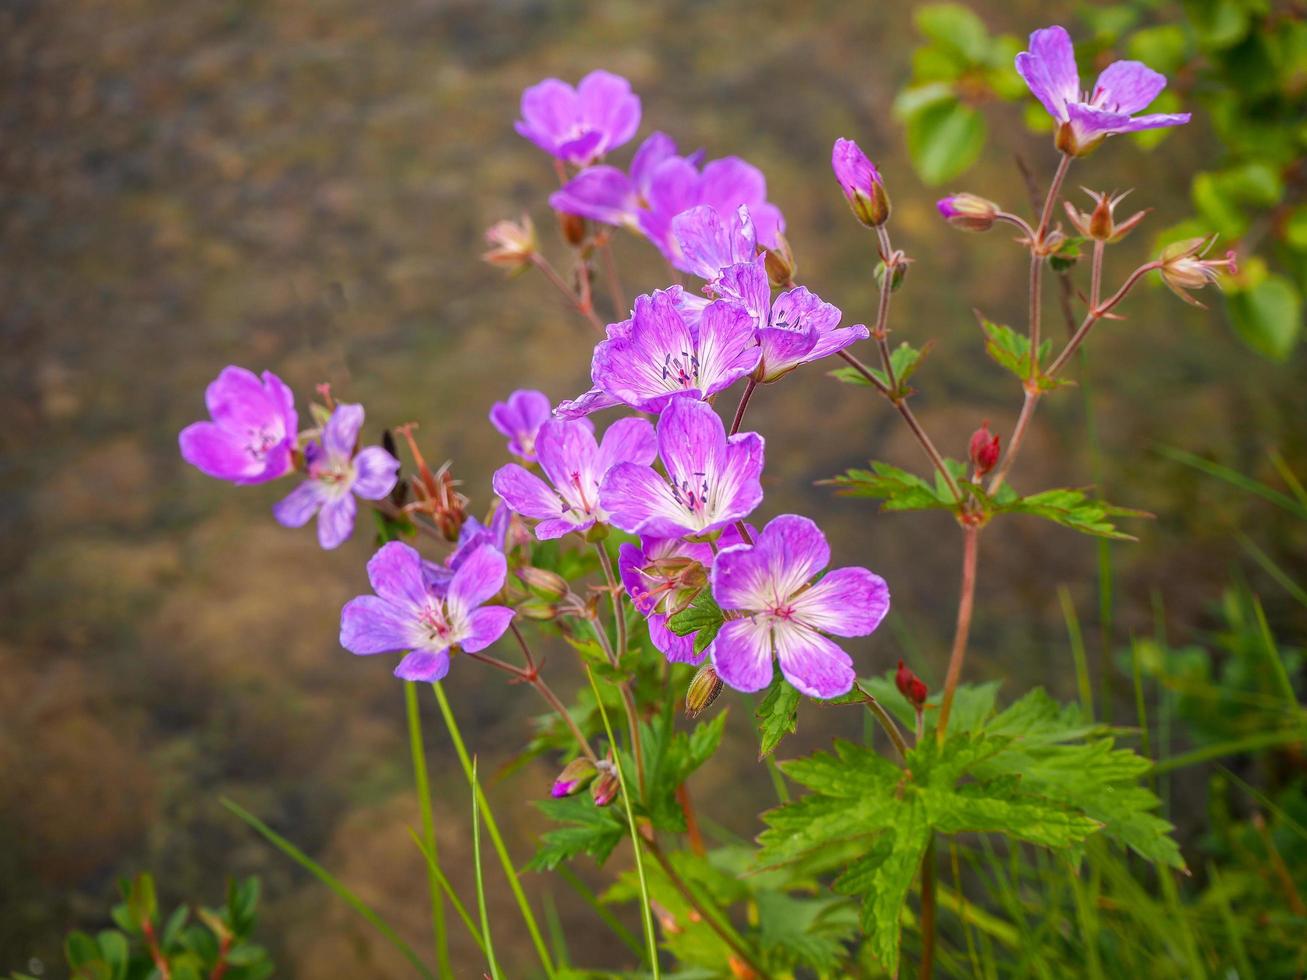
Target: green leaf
{"x":81,"y":950}
{"x":1009,"y":349}
{"x":1163,"y":48}
{"x":904,"y":359}
{"x":587,"y":829}
{"x":703,"y":613}
{"x":777,"y":714}
{"x":899,"y":489}
{"x":998,"y":807}
{"x":803,"y":931}
{"x":141,"y":902}
{"x":1268,"y":317}
{"x":944,"y":140}
{"x":955,"y":27}
{"x":114,"y":951}
{"x":1074,"y":509}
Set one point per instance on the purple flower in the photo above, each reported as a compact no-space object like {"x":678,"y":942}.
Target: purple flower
{"x":709,"y":242}
{"x":407,"y":614}
{"x":658,"y":356}
{"x":335,"y":476}
{"x":802,"y":328}
{"x":711,"y":481}
{"x":519,"y":419}
{"x":768,"y":581}
{"x":860,"y":181}
{"x":472,"y":536}
{"x":579,"y":125}
{"x":575,"y":466}
{"x":663,"y":184}
{"x":663,"y":576}
{"x":1124,"y":88}
{"x":253,"y":429}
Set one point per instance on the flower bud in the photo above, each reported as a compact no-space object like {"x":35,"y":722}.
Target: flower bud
{"x":911,"y":686}
{"x":538,"y":610}
{"x":606,"y":785}
{"x":861,"y":183}
{"x":702,"y":692}
{"x":984,"y":450}
{"x":576,"y":776}
{"x":1074,"y":144}
{"x":780,"y":264}
{"x":573,"y":228}
{"x":514,"y":244}
{"x":546,"y":584}
{"x":1183,"y":267}
{"x":968,"y":212}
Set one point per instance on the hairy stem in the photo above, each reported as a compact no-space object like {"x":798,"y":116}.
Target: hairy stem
{"x":970,"y":550}
{"x":927,"y":967}
{"x":1037,"y":256}
{"x":880,"y":333}
{"x":743,"y":406}
{"x":615,"y":656}
{"x":585,"y":309}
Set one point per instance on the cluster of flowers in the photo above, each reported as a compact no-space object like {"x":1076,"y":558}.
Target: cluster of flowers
{"x":682,"y":484}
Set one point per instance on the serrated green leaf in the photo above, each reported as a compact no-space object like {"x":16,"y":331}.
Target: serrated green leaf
{"x":587,"y":829}
{"x":1000,"y":807}
{"x":899,"y":489}
{"x":1074,"y":509}
{"x":1009,"y":349}
{"x":703,"y":613}
{"x":807,"y":932}
{"x":777,"y":714}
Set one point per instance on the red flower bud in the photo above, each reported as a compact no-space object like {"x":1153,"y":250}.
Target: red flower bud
{"x":911,"y":686}
{"x":984,"y":449}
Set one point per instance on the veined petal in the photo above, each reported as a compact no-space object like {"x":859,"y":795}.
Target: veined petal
{"x":671,"y":187}
{"x":742,"y":654}
{"x":836,"y":340}
{"x":485,"y":626}
{"x":736,"y":489}
{"x":709,"y":241}
{"x":369,"y":624}
{"x":656,"y":148}
{"x":395,"y":572}
{"x":638,"y":500}
{"x":606,"y":102}
{"x":218,"y":452}
{"x":567,"y":453}
{"x":557,"y":527}
{"x":375,"y":473}
{"x":336,"y":521}
{"x":846,"y":602}
{"x":548,"y":111}
{"x":424,"y":665}
{"x":783,"y":557}
{"x":526,"y":493}
{"x":811,"y":663}
{"x":677,"y":649}
{"x":300,"y":505}
{"x":582,"y":149}
{"x":630,"y":440}
{"x":478,"y":578}
{"x":593,"y":400}
{"x":728,"y":346}
{"x":782,"y":350}
{"x":237,"y":400}
{"x":519,"y":419}
{"x":730,"y":182}
{"x":600,"y":193}
{"x":746,"y":283}
{"x":1049,"y":69}
{"x":1158,"y":120}
{"x":341,"y":433}
{"x":656,"y":359}
{"x":1127,"y":86}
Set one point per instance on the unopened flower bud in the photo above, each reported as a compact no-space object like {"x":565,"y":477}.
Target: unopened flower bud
{"x":780,"y":263}
{"x":538,"y":610}
{"x":900,"y":272}
{"x":702,"y":692}
{"x":1184,"y":268}
{"x":984,"y":450}
{"x":911,"y":686}
{"x":573,"y":228}
{"x":968,"y":212}
{"x":606,"y":785}
{"x":861,"y":183}
{"x":546,"y":584}
{"x":513,"y":244}
{"x":576,"y":776}
{"x":1100,"y":224}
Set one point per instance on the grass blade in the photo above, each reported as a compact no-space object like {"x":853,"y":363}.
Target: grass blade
{"x":1273,"y":570}
{"x":1258,"y":740}
{"x":592,"y":900}
{"x":454,"y":901}
{"x":481,"y":888}
{"x":1077,"y":651}
{"x":331,"y":881}
{"x":1236,"y":479}
{"x":413,"y":710}
{"x":514,"y":883}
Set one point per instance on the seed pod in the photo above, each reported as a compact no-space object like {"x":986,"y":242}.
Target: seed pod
{"x":702,"y":692}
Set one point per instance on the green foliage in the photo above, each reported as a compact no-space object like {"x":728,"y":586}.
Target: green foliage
{"x":703,"y":616}
{"x":218,"y":942}
{"x":777,"y":714}
{"x":1070,"y":508}
{"x":904,"y":359}
{"x":1032,"y":773}
{"x":899,"y":489}
{"x":670,"y":757}
{"x":586,"y":829}
{"x":1011,"y":351}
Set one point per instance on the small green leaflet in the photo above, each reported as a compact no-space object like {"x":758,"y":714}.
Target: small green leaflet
{"x":899,"y":489}
{"x":704,"y":616}
{"x":777,"y":714}
{"x":1074,"y":509}
{"x":586,"y":829}
{"x":904,"y":359}
{"x":671,"y":757}
{"x":1011,"y":351}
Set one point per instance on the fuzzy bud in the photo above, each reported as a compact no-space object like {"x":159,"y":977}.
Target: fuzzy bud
{"x":544,"y":583}
{"x":606,"y":785}
{"x":968,"y":212}
{"x":513,"y":244}
{"x":984,"y":450}
{"x":576,"y":776}
{"x":1184,"y":268}
{"x":702,"y":692}
{"x":911,"y":686}
{"x":572,"y":227}
{"x":780,"y":264}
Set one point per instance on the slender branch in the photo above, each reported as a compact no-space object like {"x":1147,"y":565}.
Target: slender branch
{"x":156,"y":954}
{"x":1018,"y":434}
{"x":887,"y":722}
{"x":1096,"y":273}
{"x":1020,"y":222}
{"x":1096,"y":314}
{"x":927,"y":967}
{"x":1054,"y":189}
{"x":691,"y":821}
{"x":1037,"y":255}
{"x":724,"y":931}
{"x":970,"y":549}
{"x":743,"y":406}
{"x":587,"y":311}
{"x":628,"y":700}
{"x":881,"y":331}
{"x":615,"y":292}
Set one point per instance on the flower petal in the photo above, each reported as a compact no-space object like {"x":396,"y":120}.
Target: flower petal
{"x":424,"y":665}
{"x":638,"y":500}
{"x":341,"y":433}
{"x":218,"y":452}
{"x":485,"y":626}
{"x":236,"y":399}
{"x":519,"y":419}
{"x":548,"y":111}
{"x":300,"y":505}
{"x":784,"y":556}
{"x":737,"y":487}
{"x":630,"y":440}
{"x":1049,"y":69}
{"x":557,"y":527}
{"x":593,"y":400}
{"x":284,"y":400}
{"x":846,"y":602}
{"x":336,"y":521}
{"x":647,"y":365}
{"x":395,"y":572}
{"x":526,"y":493}
{"x":728,"y":346}
{"x":606,"y":102}
{"x":567,"y":453}
{"x":813,"y":664}
{"x":479,"y":577}
{"x":375,"y":473}
{"x":601,"y":193}
{"x":1127,"y":86}
{"x":369,"y":624}
{"x":742,"y":654}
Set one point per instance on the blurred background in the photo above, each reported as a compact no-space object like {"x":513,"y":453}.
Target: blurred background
{"x":303,"y":186}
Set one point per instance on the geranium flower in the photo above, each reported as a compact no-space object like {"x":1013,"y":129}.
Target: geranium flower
{"x":335,"y":476}
{"x":1123,"y":89}
{"x":407,"y":614}
{"x":253,"y":430}
{"x":711,"y":481}
{"x":472,"y":536}
{"x":579,"y":125}
{"x":783,"y":614}
{"x":519,"y":419}
{"x":575,"y":466}
{"x":660,"y":356}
